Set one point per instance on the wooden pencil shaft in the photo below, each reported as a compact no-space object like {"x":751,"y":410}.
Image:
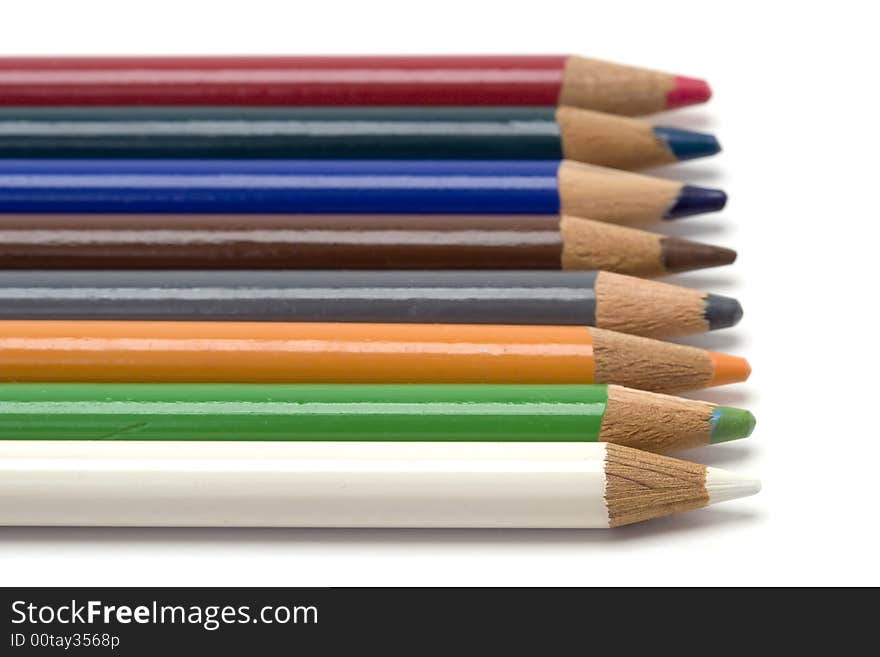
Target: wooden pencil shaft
{"x":335,"y":484}
{"x":344,"y":80}
{"x":455,"y":412}
{"x":280,"y":242}
{"x":433,"y":241}
{"x":278,"y":186}
{"x":463,"y":297}
{"x":344,"y":133}
{"x":268,"y":352}
{"x":309,"y":133}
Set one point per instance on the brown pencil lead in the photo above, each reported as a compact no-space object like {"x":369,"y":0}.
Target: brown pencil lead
{"x":683,"y":255}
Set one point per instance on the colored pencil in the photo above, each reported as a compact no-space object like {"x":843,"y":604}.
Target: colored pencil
{"x":193,"y":241}
{"x":602,"y":299}
{"x":266,"y":352}
{"x":445,"y":412}
{"x":350,"y":484}
{"x":346,"y":80}
{"x":347,"y":186}
{"x":346,"y":133}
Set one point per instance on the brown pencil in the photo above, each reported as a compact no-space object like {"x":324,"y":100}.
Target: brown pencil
{"x":194,"y":241}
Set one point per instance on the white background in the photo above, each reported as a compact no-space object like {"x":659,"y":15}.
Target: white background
{"x":796,"y":108}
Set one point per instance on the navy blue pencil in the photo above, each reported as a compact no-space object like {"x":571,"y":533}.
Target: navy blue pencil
{"x":543,"y":187}
{"x":341,"y":133}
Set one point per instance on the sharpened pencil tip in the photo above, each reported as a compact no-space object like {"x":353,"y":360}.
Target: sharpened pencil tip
{"x":687,"y":91}
{"x":696,"y":200}
{"x":723,"y":485}
{"x":728,"y":369}
{"x":686,"y":144}
{"x":684,"y":255}
{"x":722,"y":312}
{"x":731,"y":424}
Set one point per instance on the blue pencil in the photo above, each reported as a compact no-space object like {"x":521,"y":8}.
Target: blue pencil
{"x":345,"y":187}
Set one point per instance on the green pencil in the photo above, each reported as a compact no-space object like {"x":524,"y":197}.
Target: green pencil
{"x":444,"y":412}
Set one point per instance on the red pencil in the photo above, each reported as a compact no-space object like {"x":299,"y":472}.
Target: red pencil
{"x":345,"y":80}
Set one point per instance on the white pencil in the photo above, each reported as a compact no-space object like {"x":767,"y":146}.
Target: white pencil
{"x":333,"y":484}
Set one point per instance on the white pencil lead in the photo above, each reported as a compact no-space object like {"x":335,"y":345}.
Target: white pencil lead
{"x":723,"y":485}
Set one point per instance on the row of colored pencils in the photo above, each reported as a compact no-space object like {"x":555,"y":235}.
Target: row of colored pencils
{"x":352,"y":291}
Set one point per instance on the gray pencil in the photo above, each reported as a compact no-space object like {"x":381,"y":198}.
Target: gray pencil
{"x":600,"y":299}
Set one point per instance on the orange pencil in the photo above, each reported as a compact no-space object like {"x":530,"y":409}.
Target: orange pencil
{"x":122,"y":351}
